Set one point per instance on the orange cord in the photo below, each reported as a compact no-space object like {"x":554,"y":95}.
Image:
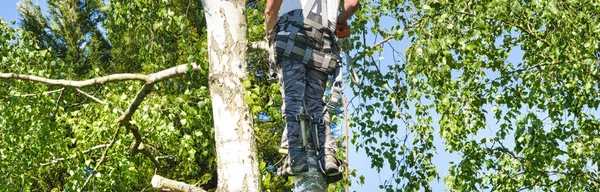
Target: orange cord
{"x":347,"y":143}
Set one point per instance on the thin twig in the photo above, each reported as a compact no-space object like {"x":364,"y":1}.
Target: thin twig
{"x":112,"y":142}
{"x":90,"y":96}
{"x":258,"y":46}
{"x":43,"y":93}
{"x":54,"y":161}
{"x":526,"y":30}
{"x":62,"y":92}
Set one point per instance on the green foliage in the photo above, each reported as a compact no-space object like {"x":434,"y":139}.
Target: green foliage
{"x":47,"y":137}
{"x":176,"y":119}
{"x":457,"y":82}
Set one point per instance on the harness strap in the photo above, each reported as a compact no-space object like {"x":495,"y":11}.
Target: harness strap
{"x":299,"y":117}
{"x":308,"y":7}
{"x":324,"y":19}
{"x":311,"y":19}
{"x":319,"y":60}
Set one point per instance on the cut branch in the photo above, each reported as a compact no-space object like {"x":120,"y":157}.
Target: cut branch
{"x":149,"y":79}
{"x":164,"y":184}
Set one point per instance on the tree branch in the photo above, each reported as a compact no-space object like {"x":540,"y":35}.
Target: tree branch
{"x":388,"y":38}
{"x":258,"y":46}
{"x":164,"y":184}
{"x":54,"y":161}
{"x":138,"y":145}
{"x":46,"y":92}
{"x":123,"y":120}
{"x":112,"y":142}
{"x":526,"y":30}
{"x":149,"y":79}
{"x":90,"y":96}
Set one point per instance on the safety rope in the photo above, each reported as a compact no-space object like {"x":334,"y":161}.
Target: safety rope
{"x":347,"y":143}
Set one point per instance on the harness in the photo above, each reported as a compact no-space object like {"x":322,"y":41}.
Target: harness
{"x":307,"y":37}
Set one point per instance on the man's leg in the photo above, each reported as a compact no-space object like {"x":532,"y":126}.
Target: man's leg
{"x":315,"y":88}
{"x":293,"y":83}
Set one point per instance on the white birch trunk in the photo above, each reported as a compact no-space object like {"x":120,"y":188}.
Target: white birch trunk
{"x":237,"y":159}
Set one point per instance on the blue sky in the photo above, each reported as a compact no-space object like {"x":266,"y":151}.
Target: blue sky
{"x":358,"y":159}
{"x":8,"y":9}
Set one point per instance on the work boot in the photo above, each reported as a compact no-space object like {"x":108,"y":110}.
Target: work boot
{"x":328,"y":163}
{"x":295,"y":163}
{"x":333,"y":179}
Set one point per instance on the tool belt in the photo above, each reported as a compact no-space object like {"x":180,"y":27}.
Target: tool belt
{"x":306,"y":40}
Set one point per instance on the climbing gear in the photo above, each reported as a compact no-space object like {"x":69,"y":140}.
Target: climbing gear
{"x":307,"y":37}
{"x":300,"y":46}
{"x":336,"y":89}
{"x":295,"y":163}
{"x":296,"y":157}
{"x":345,"y":105}
{"x":328,"y":163}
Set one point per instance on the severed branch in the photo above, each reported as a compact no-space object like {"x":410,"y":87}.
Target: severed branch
{"x":164,"y":184}
{"x":149,"y":79}
{"x":123,"y":120}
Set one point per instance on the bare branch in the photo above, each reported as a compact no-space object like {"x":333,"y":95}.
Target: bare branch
{"x":112,"y":142}
{"x":95,"y":148}
{"x":126,"y":116}
{"x":43,"y":93}
{"x":526,"y":30}
{"x":138,"y":144}
{"x":388,"y":38}
{"x":258,"y":46}
{"x":164,"y":184}
{"x":149,"y":79}
{"x":54,"y":161}
{"x":90,"y":96}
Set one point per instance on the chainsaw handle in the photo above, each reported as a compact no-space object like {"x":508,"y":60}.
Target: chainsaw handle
{"x":342,"y":30}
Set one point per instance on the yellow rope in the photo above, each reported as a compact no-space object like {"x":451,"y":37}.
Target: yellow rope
{"x":347,"y":143}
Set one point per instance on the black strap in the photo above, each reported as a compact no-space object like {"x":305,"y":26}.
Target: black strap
{"x":297,"y":118}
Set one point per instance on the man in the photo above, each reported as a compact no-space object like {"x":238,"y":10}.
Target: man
{"x":302,"y":40}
